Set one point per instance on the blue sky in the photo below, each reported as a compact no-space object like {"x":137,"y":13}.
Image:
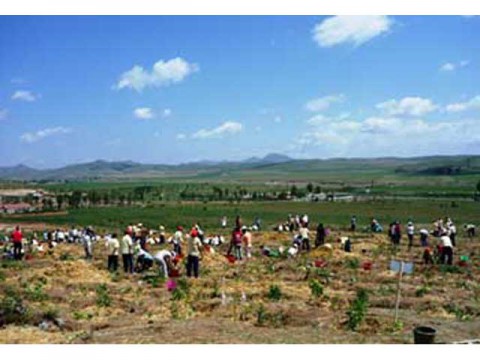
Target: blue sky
{"x":182,"y":88}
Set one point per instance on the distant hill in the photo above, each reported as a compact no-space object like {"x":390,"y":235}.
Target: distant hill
{"x":270,"y":167}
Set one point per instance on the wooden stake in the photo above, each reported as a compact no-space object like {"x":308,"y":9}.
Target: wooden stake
{"x":397,"y":302}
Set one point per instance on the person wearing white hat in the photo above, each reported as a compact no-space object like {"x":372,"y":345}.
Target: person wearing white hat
{"x":410,"y":233}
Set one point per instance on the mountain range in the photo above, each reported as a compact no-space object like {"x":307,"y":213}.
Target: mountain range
{"x":271,"y":167}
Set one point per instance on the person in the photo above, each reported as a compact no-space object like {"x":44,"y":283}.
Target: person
{"x":113,"y":247}
{"x":247,"y":241}
{"x":161,"y":234}
{"x":353,"y":223}
{"x":304,"y":233}
{"x":257,"y":223}
{"x":236,"y":243}
{"x":427,"y":256}
{"x":144,"y":259}
{"x":470,"y":228}
{"x":87,"y":245}
{"x":193,"y":250}
{"x":446,"y":254}
{"x":17,"y":238}
{"x":452,"y":232}
{"x":126,"y":246}
{"x":164,"y":259}
{"x":346,"y":243}
{"x":320,"y":236}
{"x":238,"y":222}
{"x":178,"y":240}
{"x":397,"y":233}
{"x":410,"y":233}
{"x":292,"y":251}
{"x":424,"y":237}
{"x":224,"y":222}
{"x":304,"y":222}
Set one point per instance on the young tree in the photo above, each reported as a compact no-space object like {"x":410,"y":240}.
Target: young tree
{"x":310,"y":187}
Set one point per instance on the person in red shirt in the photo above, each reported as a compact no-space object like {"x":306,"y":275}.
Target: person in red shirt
{"x":17,"y":243}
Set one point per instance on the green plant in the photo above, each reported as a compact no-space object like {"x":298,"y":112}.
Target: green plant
{"x":103,"y":297}
{"x":324,"y":274}
{"x":451,"y":269}
{"x":353,"y":263}
{"x":422,"y":290}
{"x":385,"y":290}
{"x":261,"y":315}
{"x":357,"y":310}
{"x":82,"y":315}
{"x":215,"y":290}
{"x":51,"y":314}
{"x":316,"y":288}
{"x":274,"y":293}
{"x":397,"y":326}
{"x":66,"y":256}
{"x":12,"y":309}
{"x":460,"y":313}
{"x":35,"y":293}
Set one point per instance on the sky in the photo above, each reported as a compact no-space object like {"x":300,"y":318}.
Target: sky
{"x":175,"y":89}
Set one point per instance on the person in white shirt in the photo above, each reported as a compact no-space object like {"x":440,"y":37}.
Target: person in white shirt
{"x":87,"y":245}
{"x":126,"y":246}
{"x":446,"y":256}
{"x":164,"y":259}
{"x":410,"y":233}
{"x":178,"y":240}
{"x":452,"y":232}
{"x":113,"y":247}
{"x":304,"y":233}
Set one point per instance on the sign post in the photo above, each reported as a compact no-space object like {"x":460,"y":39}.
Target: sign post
{"x":400,"y":267}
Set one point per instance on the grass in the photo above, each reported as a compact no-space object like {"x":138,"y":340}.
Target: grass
{"x":209,"y":214}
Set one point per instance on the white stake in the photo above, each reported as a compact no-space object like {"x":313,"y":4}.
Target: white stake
{"x":397,"y":302}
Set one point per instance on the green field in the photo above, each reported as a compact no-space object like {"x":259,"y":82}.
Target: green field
{"x":209,"y":214}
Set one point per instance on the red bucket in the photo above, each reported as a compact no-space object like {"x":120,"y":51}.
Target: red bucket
{"x":231,"y":259}
{"x":367,"y":265}
{"x":320,"y":263}
{"x":174,"y":273}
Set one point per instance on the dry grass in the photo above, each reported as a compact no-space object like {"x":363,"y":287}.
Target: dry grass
{"x":142,"y":311}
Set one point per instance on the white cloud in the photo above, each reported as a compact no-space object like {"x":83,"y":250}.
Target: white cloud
{"x":258,"y":128}
{"x":163,"y":73}
{"x":448,"y":66}
{"x":3,"y":114}
{"x":31,"y":137}
{"x":323,"y":103}
{"x":355,"y":30}
{"x":166,"y":113}
{"x":388,"y":136}
{"x":227,"y":128}
{"x":25,"y":95}
{"x":181,"y":136}
{"x":415,"y":106}
{"x":143,"y":113}
{"x":472,"y":104}
{"x":277,"y":119}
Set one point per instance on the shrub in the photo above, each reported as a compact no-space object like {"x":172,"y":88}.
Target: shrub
{"x":358,"y":309}
{"x":103,"y":297}
{"x":82,"y":315}
{"x":274,"y":293}
{"x":422,"y":290}
{"x":35,"y":293}
{"x":12,"y":310}
{"x":316,"y":288}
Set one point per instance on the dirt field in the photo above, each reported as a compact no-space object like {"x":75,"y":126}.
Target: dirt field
{"x":62,"y":298}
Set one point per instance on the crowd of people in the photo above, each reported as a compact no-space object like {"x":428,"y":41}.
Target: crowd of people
{"x":135,"y":246}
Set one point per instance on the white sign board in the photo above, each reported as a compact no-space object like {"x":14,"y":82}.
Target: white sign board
{"x":407,"y":267}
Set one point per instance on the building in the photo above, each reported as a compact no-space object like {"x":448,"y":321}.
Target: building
{"x":18,"y":208}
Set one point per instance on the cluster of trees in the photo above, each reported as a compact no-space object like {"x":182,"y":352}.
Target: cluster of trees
{"x":148,"y":194}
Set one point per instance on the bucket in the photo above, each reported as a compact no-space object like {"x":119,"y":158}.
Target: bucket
{"x":174,"y":273}
{"x":424,"y":335}
{"x":231,"y":259}
{"x":367,"y":265}
{"x":320,"y":263}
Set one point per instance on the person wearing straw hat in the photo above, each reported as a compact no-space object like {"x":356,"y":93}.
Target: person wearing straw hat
{"x":178,"y":240}
{"x":247,"y":241}
{"x":164,"y":259}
